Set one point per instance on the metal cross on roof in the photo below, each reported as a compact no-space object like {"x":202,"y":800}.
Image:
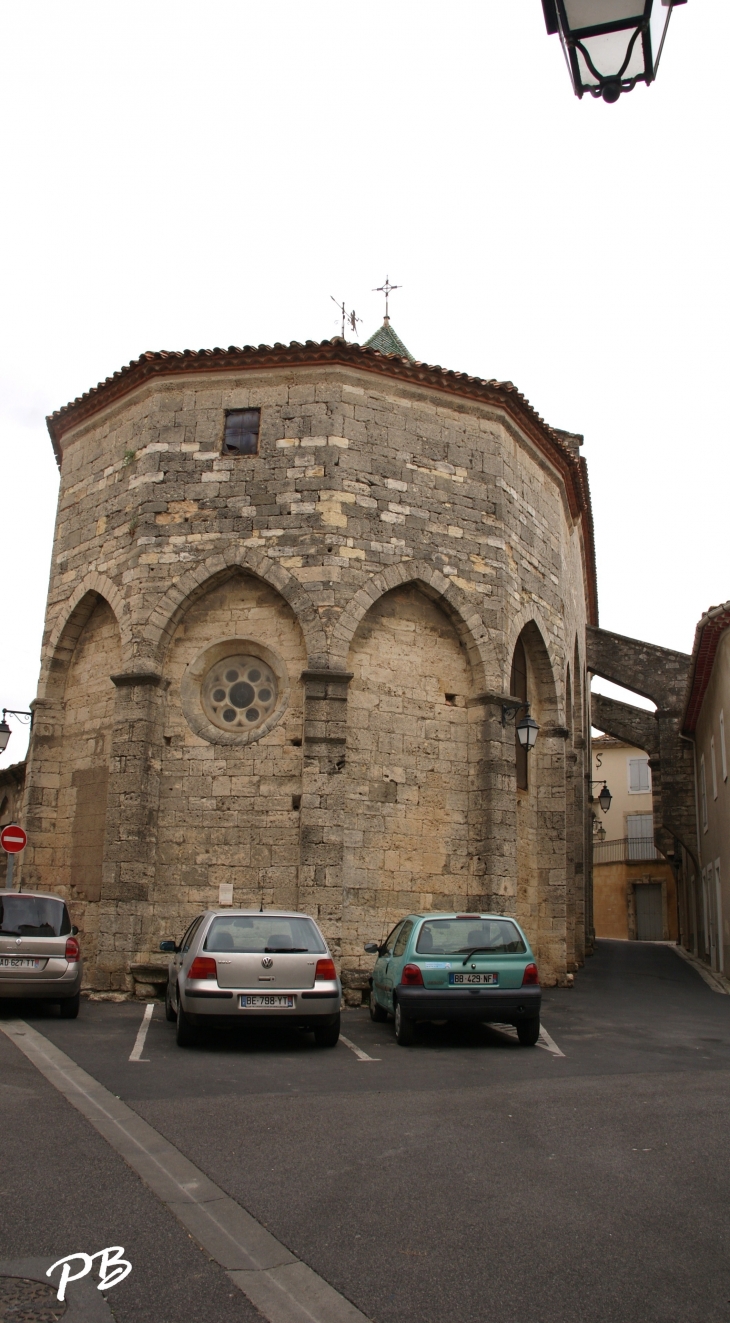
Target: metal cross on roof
{"x":387,"y":290}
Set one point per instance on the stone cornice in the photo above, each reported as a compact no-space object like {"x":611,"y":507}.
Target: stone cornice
{"x":128,"y":679}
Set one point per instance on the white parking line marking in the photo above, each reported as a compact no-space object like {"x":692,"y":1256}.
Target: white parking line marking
{"x":361,"y":1056}
{"x":282,"y":1287}
{"x":136,"y":1053}
{"x":548,"y":1043}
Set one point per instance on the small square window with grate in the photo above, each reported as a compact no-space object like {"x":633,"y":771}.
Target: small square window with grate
{"x":242,"y":432}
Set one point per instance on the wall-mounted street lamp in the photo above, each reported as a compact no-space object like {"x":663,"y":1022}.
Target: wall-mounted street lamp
{"x":5,"y":731}
{"x":527,"y":728}
{"x":610,"y":45}
{"x":605,"y":797}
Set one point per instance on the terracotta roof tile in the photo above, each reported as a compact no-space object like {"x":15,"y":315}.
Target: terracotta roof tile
{"x":708,"y":633}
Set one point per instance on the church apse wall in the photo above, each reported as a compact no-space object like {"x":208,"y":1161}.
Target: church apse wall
{"x":364,"y":569}
{"x":229,"y":812}
{"x":406,"y":808}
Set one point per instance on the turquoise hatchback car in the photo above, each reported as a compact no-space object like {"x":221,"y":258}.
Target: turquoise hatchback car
{"x":456,"y":967}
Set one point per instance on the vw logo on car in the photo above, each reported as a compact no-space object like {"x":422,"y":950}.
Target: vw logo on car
{"x":267,"y":962}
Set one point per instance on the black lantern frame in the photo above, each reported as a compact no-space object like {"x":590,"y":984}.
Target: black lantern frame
{"x":604,"y":798}
{"x":527,"y":729}
{"x":610,"y":45}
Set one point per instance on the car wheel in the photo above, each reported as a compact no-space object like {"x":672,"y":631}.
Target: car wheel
{"x":69,"y":1007}
{"x":186,"y":1035}
{"x":528,"y":1032}
{"x":377,"y":1012}
{"x":405,"y":1029}
{"x":170,"y":1012}
{"x":328,"y":1035}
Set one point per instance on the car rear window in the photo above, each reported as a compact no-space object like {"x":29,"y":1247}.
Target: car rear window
{"x":33,"y":916}
{"x":263,"y":932}
{"x":456,"y":936}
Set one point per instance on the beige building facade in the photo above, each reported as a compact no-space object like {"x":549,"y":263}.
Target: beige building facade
{"x":706,"y":714}
{"x":12,"y":783}
{"x":634,"y":887}
{"x":288,"y":588}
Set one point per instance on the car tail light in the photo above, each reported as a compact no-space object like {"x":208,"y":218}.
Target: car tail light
{"x":73,"y":950}
{"x":412,"y":976}
{"x":325,"y":969}
{"x":203,"y":967}
{"x":530,"y":975}
{"x":468,"y":916}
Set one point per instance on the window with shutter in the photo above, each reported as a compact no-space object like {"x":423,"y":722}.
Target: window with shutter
{"x":639,"y":776}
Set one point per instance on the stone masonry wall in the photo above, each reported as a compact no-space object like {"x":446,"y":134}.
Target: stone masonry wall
{"x":361,"y":486}
{"x":406,"y":810}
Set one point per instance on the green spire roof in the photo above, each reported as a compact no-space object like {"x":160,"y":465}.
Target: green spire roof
{"x":386,"y":341}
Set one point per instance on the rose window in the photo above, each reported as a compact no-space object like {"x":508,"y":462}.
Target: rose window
{"x":239,"y":693}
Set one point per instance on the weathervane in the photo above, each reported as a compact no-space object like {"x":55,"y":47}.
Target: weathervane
{"x":387,"y":290}
{"x":350,"y":317}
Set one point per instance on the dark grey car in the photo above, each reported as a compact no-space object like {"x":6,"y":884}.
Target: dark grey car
{"x":39,"y":952}
{"x":237,"y":967}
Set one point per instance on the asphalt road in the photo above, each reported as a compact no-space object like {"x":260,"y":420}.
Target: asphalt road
{"x":464,"y":1178}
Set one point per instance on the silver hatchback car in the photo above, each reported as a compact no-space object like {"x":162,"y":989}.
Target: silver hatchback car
{"x":39,"y":951}
{"x":268,"y":967}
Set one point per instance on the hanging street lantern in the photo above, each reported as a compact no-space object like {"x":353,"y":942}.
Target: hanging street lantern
{"x":527,"y":729}
{"x":527,"y":733}
{"x":610,"y":45}
{"x":604,"y":799}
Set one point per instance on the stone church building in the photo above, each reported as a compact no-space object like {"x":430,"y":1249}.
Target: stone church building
{"x":291,"y":590}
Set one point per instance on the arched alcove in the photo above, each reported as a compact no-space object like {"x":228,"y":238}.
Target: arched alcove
{"x":228,"y":820}
{"x":70,"y":765}
{"x":540,"y":809}
{"x":407,"y":790}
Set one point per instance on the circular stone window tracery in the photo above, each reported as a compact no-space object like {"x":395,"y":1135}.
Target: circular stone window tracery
{"x":235,"y":691}
{"x":239,"y":693}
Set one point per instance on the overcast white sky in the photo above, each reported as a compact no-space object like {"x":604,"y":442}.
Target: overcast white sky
{"x":180,"y":174}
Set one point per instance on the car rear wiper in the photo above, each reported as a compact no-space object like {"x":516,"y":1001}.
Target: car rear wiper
{"x":283,"y":950}
{"x":472,"y":950}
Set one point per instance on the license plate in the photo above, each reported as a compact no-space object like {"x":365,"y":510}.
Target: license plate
{"x":266,"y":999}
{"x":461,"y":980}
{"x":20,"y":962}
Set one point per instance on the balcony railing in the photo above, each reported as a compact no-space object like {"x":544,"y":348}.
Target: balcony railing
{"x":629,"y":850}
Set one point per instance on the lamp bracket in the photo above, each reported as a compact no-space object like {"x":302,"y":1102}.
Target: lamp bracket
{"x":24,"y":716}
{"x":510,"y":710}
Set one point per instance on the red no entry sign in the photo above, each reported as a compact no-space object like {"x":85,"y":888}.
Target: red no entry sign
{"x":13,"y":839}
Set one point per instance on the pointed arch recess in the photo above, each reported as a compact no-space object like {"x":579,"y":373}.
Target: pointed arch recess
{"x":469,"y":626}
{"x":65,"y":634}
{"x":537,"y":638}
{"x":178,"y":599}
{"x":529,"y":627}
